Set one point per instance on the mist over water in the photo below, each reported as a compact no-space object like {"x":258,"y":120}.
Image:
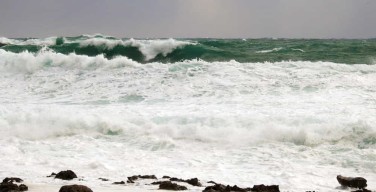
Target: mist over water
{"x":289,"y":112}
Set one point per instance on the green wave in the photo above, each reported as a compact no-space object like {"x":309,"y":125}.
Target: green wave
{"x":357,"y":51}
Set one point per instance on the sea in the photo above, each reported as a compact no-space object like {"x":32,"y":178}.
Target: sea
{"x":290,"y":112}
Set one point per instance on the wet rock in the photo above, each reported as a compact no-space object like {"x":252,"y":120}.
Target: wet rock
{"x":214,"y":188}
{"x":177,"y":179}
{"x":223,"y":188}
{"x":265,"y":188}
{"x":193,"y":181}
{"x":52,"y":175}
{"x":66,"y":175}
{"x":75,"y":188}
{"x":212,"y":182}
{"x":147,"y":177}
{"x":119,"y":183}
{"x":354,"y":182}
{"x":135,"y":177}
{"x":168,"y":185}
{"x":103,"y":179}
{"x":12,"y":179}
{"x":2,"y":44}
{"x":156,"y":183}
{"x":23,"y":187}
{"x":362,"y":190}
{"x":166,"y":177}
{"x":8,"y":187}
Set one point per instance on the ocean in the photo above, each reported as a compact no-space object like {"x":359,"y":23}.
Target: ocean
{"x":291,"y":112}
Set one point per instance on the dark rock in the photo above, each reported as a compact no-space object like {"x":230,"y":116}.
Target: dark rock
{"x":12,"y":179}
{"x":223,"y":188}
{"x":214,"y":188}
{"x":265,"y":188}
{"x":132,"y":178}
{"x":156,"y":183}
{"x":52,"y":175}
{"x":168,"y":185}
{"x":194,"y":182}
{"x":2,"y":44}
{"x":177,"y":179}
{"x":135,"y":177}
{"x":166,"y":177}
{"x":66,"y":175}
{"x":119,"y":183}
{"x":75,"y":188}
{"x":8,"y":187}
{"x":147,"y":177}
{"x":362,"y":190}
{"x":103,"y":179}
{"x":212,"y":182}
{"x":354,"y":182}
{"x":23,"y":187}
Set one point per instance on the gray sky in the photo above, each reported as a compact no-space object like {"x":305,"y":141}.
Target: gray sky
{"x":190,"y":18}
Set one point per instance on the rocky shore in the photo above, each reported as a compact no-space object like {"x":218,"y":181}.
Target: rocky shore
{"x":167,"y":183}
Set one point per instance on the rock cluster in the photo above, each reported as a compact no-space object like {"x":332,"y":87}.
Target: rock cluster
{"x":193,"y":181}
{"x":135,"y":177}
{"x":8,"y":185}
{"x":168,"y":185}
{"x":228,"y":188}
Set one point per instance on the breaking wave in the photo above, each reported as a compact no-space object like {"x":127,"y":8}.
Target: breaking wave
{"x":175,"y":50}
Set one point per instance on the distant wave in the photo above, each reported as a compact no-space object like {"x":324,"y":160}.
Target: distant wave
{"x":270,"y":50}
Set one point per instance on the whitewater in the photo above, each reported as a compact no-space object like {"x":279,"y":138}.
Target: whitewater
{"x":113,"y":108}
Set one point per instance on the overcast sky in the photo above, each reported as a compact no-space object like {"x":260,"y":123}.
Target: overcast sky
{"x":190,"y":18}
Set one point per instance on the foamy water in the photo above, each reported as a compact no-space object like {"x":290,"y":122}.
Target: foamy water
{"x":292,"y":123}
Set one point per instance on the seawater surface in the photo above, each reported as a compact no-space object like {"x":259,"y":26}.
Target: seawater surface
{"x":275,"y":111}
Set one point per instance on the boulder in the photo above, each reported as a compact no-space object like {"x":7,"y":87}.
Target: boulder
{"x":168,"y":185}
{"x":23,"y":187}
{"x":8,"y":187}
{"x":362,"y":190}
{"x":194,"y":182}
{"x":354,"y":182}
{"x":66,"y":175}
{"x":75,"y":188}
{"x":265,"y":188}
{"x":2,"y":44}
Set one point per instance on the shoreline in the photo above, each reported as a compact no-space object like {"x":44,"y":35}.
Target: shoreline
{"x":152,"y":183}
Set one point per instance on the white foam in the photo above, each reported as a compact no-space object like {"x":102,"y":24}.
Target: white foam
{"x":27,"y":62}
{"x":40,"y":42}
{"x":270,"y":50}
{"x":293,"y":123}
